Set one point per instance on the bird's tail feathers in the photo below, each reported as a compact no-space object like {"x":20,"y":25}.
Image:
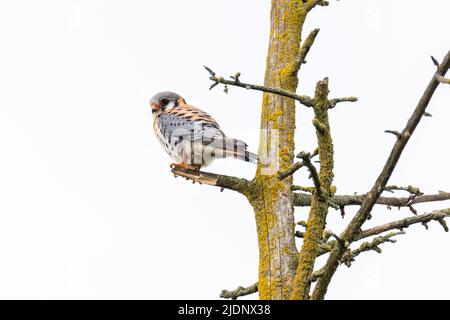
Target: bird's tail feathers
{"x":239,"y":151}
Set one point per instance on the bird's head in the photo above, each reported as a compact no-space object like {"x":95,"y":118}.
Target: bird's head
{"x":165,"y":100}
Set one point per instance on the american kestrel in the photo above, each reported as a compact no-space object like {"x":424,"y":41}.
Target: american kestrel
{"x":191,"y":137}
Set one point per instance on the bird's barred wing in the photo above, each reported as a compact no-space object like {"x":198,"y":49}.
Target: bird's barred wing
{"x":187,"y":124}
{"x":175,"y":128}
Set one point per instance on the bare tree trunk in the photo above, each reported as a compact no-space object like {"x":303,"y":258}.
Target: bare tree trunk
{"x":271,"y":198}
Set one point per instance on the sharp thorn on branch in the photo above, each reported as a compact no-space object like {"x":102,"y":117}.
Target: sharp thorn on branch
{"x":213,"y":85}
{"x":435,"y":62}
{"x":342,"y":209}
{"x":395,"y":133}
{"x":443,"y":224}
{"x":210,"y":71}
{"x":239,"y":292}
{"x":413,"y":210}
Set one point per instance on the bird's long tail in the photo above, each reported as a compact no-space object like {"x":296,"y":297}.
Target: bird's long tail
{"x":239,"y":151}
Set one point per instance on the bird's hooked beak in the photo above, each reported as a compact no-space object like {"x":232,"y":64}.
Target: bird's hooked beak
{"x":155,"y":107}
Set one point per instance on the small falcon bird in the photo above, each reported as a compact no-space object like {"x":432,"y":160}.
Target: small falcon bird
{"x":190,"y":136}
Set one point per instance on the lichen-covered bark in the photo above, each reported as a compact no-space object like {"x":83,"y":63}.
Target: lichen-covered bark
{"x":272,"y":199}
{"x":319,"y":204}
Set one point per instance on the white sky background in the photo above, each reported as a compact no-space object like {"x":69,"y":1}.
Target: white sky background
{"x":88,"y":206}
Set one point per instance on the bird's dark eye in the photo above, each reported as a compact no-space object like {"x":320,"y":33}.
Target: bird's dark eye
{"x":164,"y":102}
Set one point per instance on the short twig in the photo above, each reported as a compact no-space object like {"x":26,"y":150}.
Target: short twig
{"x":307,"y":44}
{"x":411,"y":189}
{"x":333,"y":102}
{"x":239,"y":292}
{"x":304,"y":189}
{"x":373,"y":245}
{"x":306,"y":156}
{"x":395,"y":133}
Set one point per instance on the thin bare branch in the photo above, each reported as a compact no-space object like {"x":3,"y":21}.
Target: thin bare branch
{"x":305,"y":100}
{"x":306,"y":46}
{"x":439,"y":77}
{"x":333,"y":102}
{"x":302,"y":188}
{"x":296,"y":166}
{"x":441,"y":196}
{"x":306,"y":156}
{"x":401,"y":224}
{"x":235,"y":81}
{"x":304,"y":200}
{"x":222,"y":181}
{"x":437,"y":215}
{"x":373,"y":245}
{"x":289,"y":172}
{"x":239,"y":292}
{"x":411,"y":189}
